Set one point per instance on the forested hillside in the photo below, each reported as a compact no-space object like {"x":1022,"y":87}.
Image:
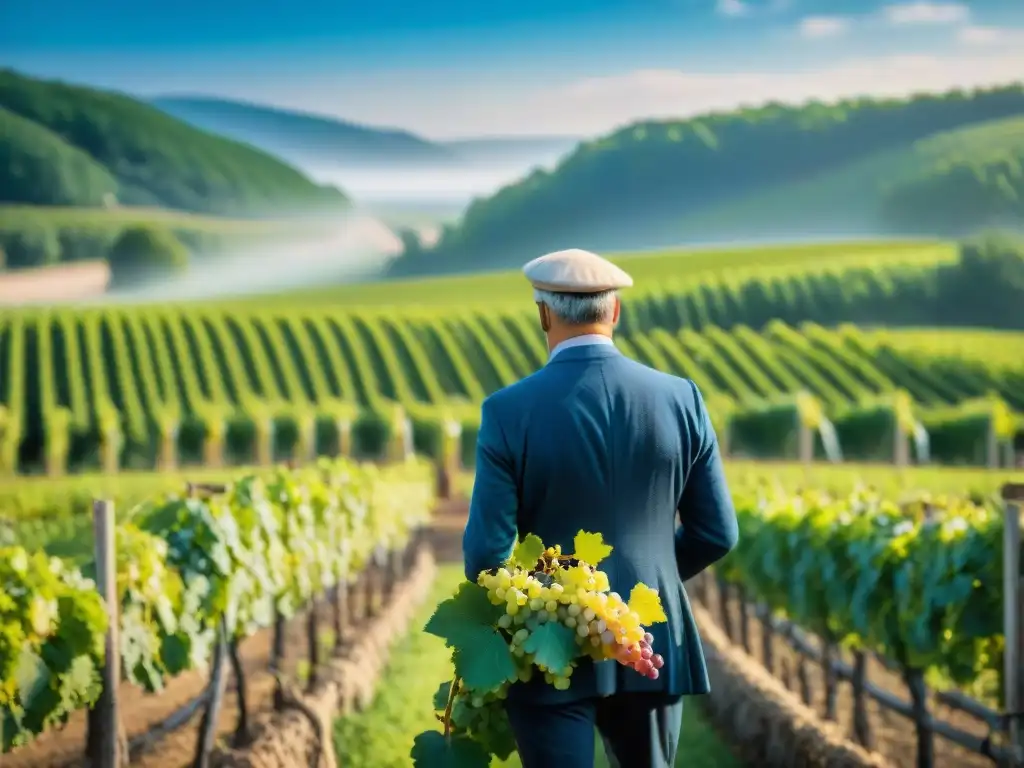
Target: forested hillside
{"x":43,"y":169}
{"x":68,"y":145}
{"x":859,"y":164}
{"x":303,"y":138}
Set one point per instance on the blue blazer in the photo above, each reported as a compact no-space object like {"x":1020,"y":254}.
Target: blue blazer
{"x":598,"y":442}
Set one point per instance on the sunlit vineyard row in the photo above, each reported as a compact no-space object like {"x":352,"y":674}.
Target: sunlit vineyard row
{"x":77,"y":383}
{"x":671,"y":272}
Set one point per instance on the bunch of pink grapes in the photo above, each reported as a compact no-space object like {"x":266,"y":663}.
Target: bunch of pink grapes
{"x":641,"y":657}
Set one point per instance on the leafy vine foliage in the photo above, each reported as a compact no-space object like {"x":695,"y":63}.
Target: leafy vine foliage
{"x":919,"y":583}
{"x":541,"y":612}
{"x":271,"y":541}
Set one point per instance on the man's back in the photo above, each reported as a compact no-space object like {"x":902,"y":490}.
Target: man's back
{"x":597,"y":442}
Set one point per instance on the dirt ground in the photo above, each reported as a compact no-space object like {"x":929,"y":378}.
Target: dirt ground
{"x":142,"y":712}
{"x":65,"y":282}
{"x":894,"y":735}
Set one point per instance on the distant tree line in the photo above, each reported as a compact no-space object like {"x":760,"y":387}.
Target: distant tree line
{"x":41,"y":241}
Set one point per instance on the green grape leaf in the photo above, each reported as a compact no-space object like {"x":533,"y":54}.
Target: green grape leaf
{"x":459,"y":619}
{"x":441,"y":695}
{"x":484,"y":661}
{"x":646,"y":603}
{"x":82,"y":677}
{"x":32,"y":676}
{"x":175,"y":652}
{"x":590,"y":547}
{"x":528,"y":551}
{"x":553,"y":646}
{"x":432,"y":750}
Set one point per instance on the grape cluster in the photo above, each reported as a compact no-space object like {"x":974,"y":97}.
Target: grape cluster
{"x":642,"y":657}
{"x":577,"y":595}
{"x":483,"y":715}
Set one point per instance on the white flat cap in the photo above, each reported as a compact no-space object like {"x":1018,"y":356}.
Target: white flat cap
{"x":575,"y":271}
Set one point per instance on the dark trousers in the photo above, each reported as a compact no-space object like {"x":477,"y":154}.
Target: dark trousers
{"x":640,"y":730}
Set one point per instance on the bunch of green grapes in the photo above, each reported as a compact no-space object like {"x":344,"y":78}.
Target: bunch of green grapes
{"x":483,"y":715}
{"x":565,"y":589}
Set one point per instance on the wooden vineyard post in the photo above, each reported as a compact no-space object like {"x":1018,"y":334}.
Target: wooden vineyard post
{"x":900,"y":455}
{"x":213,"y":443}
{"x":803,"y":679}
{"x":344,"y":427}
{"x":313,"y":642}
{"x":341,"y":615}
{"x":861,"y":722}
{"x":243,"y":735}
{"x":215,"y":698}
{"x":408,"y":440}
{"x":110,"y":449}
{"x":394,"y":450}
{"x":265,"y":442}
{"x":829,"y":656}
{"x":767,"y":639}
{"x":1013,"y":669}
{"x":277,"y":658}
{"x":444,"y":482}
{"x":741,"y":598}
{"x":785,"y":674}
{"x":307,"y":441}
{"x":395,"y":567}
{"x":450,"y":460}
{"x":914,"y":679}
{"x":374,"y":582}
{"x":103,"y":744}
{"x":356,"y":599}
{"x":723,"y":607}
{"x":806,"y":443}
{"x":167,"y":459}
{"x":992,"y":445}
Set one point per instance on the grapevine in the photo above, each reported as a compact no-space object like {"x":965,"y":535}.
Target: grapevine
{"x":541,"y":612}
{"x":52,"y":624}
{"x":917,"y":582}
{"x":273,"y":540}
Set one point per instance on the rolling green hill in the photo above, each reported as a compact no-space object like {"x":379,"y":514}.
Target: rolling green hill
{"x":41,"y":168}
{"x":830,"y":169}
{"x":304,"y":138}
{"x":945,"y":184}
{"x":66,"y":145}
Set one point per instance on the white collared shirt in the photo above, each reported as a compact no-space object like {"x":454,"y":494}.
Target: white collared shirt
{"x":580,"y":341}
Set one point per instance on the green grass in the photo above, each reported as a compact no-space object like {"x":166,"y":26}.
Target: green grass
{"x":382,"y":735}
{"x":648,"y":269}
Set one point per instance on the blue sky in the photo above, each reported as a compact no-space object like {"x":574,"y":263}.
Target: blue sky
{"x":452,"y":68}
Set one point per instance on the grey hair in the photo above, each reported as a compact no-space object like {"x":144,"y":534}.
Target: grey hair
{"x":578,"y":308}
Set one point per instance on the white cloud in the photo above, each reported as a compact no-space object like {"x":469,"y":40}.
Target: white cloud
{"x":990,"y":37}
{"x":732,"y":7}
{"x":597,"y":104}
{"x":816,"y":27}
{"x":926,"y":13}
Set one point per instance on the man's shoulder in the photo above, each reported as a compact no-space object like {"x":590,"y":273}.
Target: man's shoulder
{"x":679,"y":386}
{"x":515,"y":393}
